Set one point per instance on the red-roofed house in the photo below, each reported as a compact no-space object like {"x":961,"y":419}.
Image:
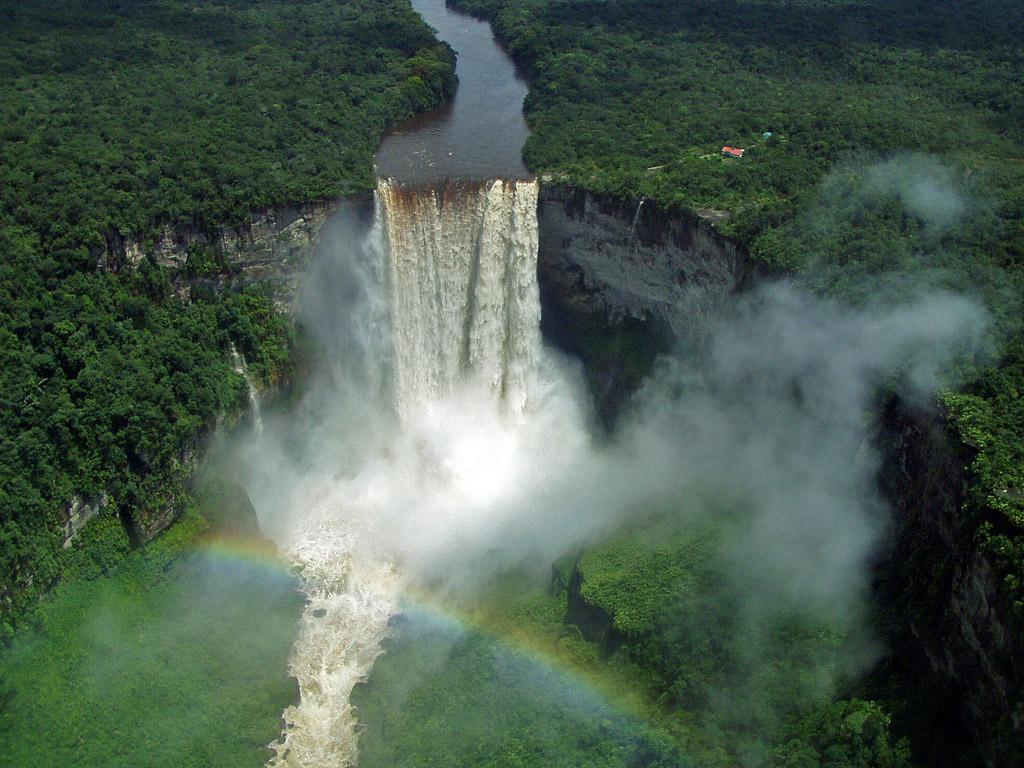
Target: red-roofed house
{"x":732,"y":152}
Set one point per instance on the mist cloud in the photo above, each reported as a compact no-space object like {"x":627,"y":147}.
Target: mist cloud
{"x":927,"y":188}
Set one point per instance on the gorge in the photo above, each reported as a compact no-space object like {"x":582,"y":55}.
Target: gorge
{"x":461,"y":309}
{"x":447,"y":463}
{"x":456,"y":279}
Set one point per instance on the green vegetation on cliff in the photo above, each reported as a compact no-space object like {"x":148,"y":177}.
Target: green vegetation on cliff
{"x":116,"y":117}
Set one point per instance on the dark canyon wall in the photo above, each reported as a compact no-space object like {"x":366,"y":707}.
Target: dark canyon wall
{"x":627,"y":259}
{"x":623,"y":280}
{"x":940,"y":605}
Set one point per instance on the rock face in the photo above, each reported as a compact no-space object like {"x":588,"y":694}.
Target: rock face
{"x":636,"y":259}
{"x":593,"y":621}
{"x":227,"y":508}
{"x":77,"y":513}
{"x":945,"y":619}
{"x":624,"y":280}
{"x":271,"y":247}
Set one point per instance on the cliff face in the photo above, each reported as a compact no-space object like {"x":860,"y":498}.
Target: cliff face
{"x":938,"y":594}
{"x":622,"y":281}
{"x":629,"y":259}
{"x":271,"y":247}
{"x":593,"y":621}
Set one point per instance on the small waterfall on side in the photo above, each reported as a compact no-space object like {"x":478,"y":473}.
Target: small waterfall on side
{"x":463,"y":355}
{"x":636,"y":220}
{"x":240,"y":367}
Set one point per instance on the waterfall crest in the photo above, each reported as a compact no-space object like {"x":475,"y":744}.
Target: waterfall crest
{"x":464,"y":298}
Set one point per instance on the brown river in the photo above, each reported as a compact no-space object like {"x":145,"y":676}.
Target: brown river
{"x":480,"y":133}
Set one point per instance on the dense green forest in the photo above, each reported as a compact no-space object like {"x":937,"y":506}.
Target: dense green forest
{"x":116,"y":117}
{"x":896,"y":157}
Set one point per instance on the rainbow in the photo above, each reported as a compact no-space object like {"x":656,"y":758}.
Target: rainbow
{"x":245,"y":551}
{"x":591,"y":686}
{"x":611,"y":690}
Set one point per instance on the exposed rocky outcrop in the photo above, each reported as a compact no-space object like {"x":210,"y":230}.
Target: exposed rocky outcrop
{"x":636,"y":259}
{"x":271,"y":247}
{"x":79,"y":511}
{"x":165,"y":500}
{"x":955,"y":639}
{"x":227,"y":508}
{"x":624,"y":280}
{"x":593,"y":621}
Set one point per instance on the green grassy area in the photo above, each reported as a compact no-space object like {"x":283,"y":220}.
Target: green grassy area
{"x":505,"y":678}
{"x":177,"y":657}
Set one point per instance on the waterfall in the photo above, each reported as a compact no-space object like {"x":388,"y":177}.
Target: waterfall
{"x":636,"y":220}
{"x":239,"y":366}
{"x":464,"y":298}
{"x":463,"y":355}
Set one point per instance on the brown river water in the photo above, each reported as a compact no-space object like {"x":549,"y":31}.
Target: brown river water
{"x":480,"y":133}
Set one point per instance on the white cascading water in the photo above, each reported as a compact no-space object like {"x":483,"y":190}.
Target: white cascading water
{"x":465,"y":349}
{"x":349,"y":600}
{"x":240,"y":367}
{"x":464,"y":295}
{"x":636,"y":220}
